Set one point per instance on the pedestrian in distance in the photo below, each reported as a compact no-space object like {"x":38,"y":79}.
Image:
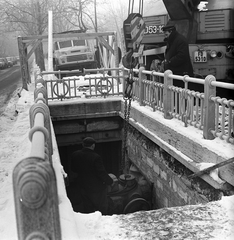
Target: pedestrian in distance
{"x":92,"y":179}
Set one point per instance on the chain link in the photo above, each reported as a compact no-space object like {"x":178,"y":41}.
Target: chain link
{"x":127,"y":109}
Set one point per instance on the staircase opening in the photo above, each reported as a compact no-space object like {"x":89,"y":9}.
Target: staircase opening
{"x":126,"y":196}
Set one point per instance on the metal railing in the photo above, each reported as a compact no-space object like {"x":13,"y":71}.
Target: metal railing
{"x":99,"y":85}
{"x":206,"y":111}
{"x":203,"y":110}
{"x":34,"y":180}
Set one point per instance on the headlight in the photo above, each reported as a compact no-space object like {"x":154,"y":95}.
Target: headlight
{"x":90,"y":57}
{"x":62,"y":59}
{"x":213,"y":54}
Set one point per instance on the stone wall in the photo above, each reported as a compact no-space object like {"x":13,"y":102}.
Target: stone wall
{"x":170,"y":186}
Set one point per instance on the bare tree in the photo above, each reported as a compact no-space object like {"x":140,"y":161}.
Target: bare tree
{"x":80,"y":14}
{"x":111,"y":17}
{"x":30,"y":17}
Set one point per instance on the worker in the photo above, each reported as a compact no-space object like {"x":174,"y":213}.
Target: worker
{"x":92,"y":179}
{"x":177,"y":57}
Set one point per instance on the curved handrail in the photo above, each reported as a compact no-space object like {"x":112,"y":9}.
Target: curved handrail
{"x":34,"y":181}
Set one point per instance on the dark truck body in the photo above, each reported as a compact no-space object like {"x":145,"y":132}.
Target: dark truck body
{"x":210,"y":35}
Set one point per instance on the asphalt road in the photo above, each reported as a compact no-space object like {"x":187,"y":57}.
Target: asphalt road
{"x":10,"y":81}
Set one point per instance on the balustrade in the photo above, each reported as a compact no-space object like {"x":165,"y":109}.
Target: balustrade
{"x":34,"y":181}
{"x":156,"y":90}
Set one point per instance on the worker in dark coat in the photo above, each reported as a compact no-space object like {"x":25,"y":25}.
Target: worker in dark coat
{"x":177,"y":57}
{"x":92,"y":179}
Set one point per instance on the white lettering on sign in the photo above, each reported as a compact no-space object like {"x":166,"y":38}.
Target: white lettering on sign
{"x":153,"y":29}
{"x":200,"y":56}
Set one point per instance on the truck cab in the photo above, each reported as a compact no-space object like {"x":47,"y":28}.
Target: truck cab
{"x":210,"y":34}
{"x":73,"y":54}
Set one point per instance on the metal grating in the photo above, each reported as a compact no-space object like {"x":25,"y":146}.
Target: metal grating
{"x":215,"y":22}
{"x":74,"y":58}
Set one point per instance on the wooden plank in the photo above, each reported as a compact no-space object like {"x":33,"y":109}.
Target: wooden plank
{"x":86,"y":116}
{"x":207,"y":170}
{"x":85,"y":108}
{"x":64,"y":127}
{"x":227,"y":173}
{"x":33,"y":49}
{"x":29,"y":43}
{"x":103,"y":125}
{"x":106,"y":44}
{"x":71,"y":139}
{"x":80,"y":126}
{"x":23,"y":63}
{"x":68,"y":35}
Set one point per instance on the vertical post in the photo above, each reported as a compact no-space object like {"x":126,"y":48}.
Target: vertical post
{"x":95,"y":15}
{"x":116,"y":51}
{"x":142,"y":76}
{"x":209,"y":108}
{"x":23,"y":63}
{"x":125,"y":75}
{"x":167,"y":108}
{"x":50,"y":43}
{"x":96,"y":27}
{"x":115,"y":56}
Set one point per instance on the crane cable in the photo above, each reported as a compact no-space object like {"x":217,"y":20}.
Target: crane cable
{"x":127,"y":108}
{"x":130,"y":62}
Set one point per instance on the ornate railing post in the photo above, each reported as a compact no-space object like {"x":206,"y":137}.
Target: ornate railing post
{"x":36,"y":200}
{"x":167,"y":96}
{"x":209,"y":108}
{"x":142,"y":76}
{"x":34,"y":179}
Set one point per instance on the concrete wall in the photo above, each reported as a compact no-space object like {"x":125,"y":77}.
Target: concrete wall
{"x":161,"y":169}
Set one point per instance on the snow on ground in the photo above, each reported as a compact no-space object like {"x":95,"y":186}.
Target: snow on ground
{"x":211,"y":221}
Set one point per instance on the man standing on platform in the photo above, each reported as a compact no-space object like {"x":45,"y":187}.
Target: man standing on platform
{"x":92,"y":179}
{"x":177,"y":57}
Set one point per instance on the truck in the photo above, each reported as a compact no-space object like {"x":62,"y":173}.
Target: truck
{"x":73,"y":54}
{"x":209,"y":31}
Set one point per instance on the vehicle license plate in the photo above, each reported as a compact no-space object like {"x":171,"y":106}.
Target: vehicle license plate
{"x":200,"y":56}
